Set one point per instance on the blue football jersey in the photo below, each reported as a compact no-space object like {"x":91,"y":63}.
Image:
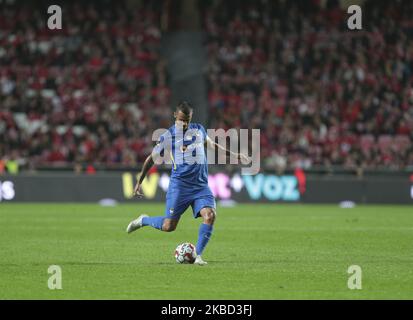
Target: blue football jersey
{"x":187,"y":152}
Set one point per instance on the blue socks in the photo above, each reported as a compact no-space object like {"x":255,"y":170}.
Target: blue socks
{"x":154,"y":222}
{"x":205,"y":232}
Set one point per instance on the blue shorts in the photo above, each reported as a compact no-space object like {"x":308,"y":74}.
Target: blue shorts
{"x":178,"y":200}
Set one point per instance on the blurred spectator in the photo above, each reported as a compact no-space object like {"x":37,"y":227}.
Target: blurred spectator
{"x":90,"y":169}
{"x":315,"y":89}
{"x":12,"y":166}
{"x":91,"y":92}
{"x":2,"y":166}
{"x":78,"y":168}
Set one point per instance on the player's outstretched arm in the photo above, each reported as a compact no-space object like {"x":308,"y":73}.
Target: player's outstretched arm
{"x":212,"y":144}
{"x":147,"y":165}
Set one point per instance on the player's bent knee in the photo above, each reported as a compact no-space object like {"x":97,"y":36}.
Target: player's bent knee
{"x":209,"y":216}
{"x":169,"y":226}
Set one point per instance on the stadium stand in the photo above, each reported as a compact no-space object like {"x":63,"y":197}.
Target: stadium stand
{"x":322,"y":96}
{"x":92,"y":92}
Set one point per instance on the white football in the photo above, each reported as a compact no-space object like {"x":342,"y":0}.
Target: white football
{"x":185,"y":253}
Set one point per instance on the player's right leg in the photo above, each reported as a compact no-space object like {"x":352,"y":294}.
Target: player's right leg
{"x":136,"y":224}
{"x":161,"y":223}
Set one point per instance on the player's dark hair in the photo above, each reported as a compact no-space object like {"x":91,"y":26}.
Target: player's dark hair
{"x":185,"y":107}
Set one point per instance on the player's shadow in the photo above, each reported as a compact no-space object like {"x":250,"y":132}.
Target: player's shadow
{"x":244,"y":262}
{"x":137,"y":263}
{"x":160,"y":263}
{"x":72,"y":263}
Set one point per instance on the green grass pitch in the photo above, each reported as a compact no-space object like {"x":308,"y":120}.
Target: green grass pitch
{"x":256,"y":252}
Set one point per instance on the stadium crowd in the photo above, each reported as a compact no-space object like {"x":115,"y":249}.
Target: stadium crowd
{"x":92,"y":92}
{"x":321,"y":94}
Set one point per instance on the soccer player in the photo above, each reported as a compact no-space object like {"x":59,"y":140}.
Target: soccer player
{"x":188,"y":185}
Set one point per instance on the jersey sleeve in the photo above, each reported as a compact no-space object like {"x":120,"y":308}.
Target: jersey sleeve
{"x":204,"y":133}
